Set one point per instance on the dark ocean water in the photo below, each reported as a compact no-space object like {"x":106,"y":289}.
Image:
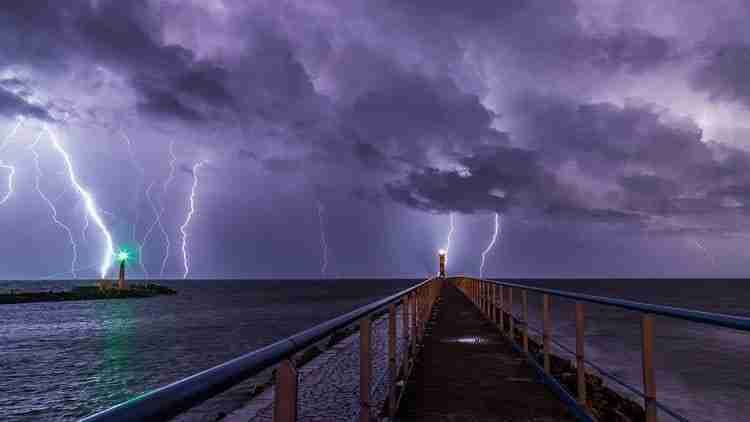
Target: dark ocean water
{"x":61,"y":361}
{"x":702,"y":372}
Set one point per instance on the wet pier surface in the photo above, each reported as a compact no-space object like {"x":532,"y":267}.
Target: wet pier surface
{"x":467,"y":371}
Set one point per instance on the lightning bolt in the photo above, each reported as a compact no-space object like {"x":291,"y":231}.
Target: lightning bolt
{"x":9,"y":137}
{"x":85,"y":230}
{"x":448,"y":241}
{"x":88,"y":201}
{"x":11,"y":169}
{"x":11,"y":174}
{"x":51,"y":205}
{"x":191,"y":211}
{"x":491,"y":245}
{"x":165,"y":187}
{"x":141,"y":172}
{"x":323,"y":242}
{"x":700,"y":246}
{"x":150,"y":229}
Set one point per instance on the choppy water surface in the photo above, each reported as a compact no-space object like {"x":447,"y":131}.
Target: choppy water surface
{"x":60,"y":361}
{"x":701,"y":371}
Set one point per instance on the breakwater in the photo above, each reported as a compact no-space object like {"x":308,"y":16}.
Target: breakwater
{"x":87,"y":293}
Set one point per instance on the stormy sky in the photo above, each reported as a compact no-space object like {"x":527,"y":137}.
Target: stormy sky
{"x":611,"y":136}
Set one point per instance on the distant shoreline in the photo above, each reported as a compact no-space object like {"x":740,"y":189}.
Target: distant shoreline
{"x":86,"y":293}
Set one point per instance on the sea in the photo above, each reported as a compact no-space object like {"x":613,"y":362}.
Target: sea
{"x":60,"y":361}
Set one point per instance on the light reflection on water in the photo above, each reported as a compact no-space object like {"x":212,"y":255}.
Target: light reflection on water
{"x":64,"y":360}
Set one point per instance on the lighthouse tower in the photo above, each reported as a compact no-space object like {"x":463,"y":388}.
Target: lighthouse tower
{"x":442,"y":256}
{"x":121,"y":284}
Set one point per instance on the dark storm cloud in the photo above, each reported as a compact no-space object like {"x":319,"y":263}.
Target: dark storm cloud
{"x":725,"y":74}
{"x":163,"y":103}
{"x":125,"y":36}
{"x":369,"y":155}
{"x":640,"y":161}
{"x":438,"y":105}
{"x":12,"y":105}
{"x":282,"y":165}
{"x":546,"y":36}
{"x":494,"y":179}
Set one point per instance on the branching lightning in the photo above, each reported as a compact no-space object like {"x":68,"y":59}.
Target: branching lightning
{"x":11,"y":174}
{"x":141,"y":172}
{"x":448,"y":241}
{"x":88,"y":201}
{"x":11,"y":169}
{"x":51,"y":205}
{"x":85,"y":229}
{"x":165,"y":187}
{"x":9,"y":137}
{"x":191,"y":211}
{"x":491,"y":245}
{"x":323,"y":241}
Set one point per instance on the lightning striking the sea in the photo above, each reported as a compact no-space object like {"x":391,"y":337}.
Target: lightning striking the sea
{"x":323,"y":241}
{"x":491,"y":245}
{"x":52,"y":207}
{"x":191,"y":211}
{"x":89,"y":203}
{"x":164,"y":188}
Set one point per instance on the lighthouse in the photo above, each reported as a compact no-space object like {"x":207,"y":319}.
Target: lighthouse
{"x":442,"y":253}
{"x":122,"y":256}
{"x":121,"y":280}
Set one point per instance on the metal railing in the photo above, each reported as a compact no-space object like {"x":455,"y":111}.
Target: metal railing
{"x":171,"y":400}
{"x":495,"y":300}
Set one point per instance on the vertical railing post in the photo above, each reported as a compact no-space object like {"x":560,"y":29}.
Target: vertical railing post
{"x":484,"y":298}
{"x":285,"y":401}
{"x":405,"y":318}
{"x":546,"y":332}
{"x":479,"y":295}
{"x":364,"y":369}
{"x":502,"y":309}
{"x":493,"y":303}
{"x":392,"y":360}
{"x":487,"y":309}
{"x":649,"y":384}
{"x":580,"y":366}
{"x":420,"y":310}
{"x":525,"y":316}
{"x":510,"y":315}
{"x":413,"y":300}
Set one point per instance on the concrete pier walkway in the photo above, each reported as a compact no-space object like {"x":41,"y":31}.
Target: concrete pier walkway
{"x":467,"y":371}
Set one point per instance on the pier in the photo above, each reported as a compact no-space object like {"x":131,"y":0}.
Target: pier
{"x":446,"y":349}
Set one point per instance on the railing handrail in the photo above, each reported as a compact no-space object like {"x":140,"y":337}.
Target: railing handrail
{"x":170,"y":400}
{"x":709,"y":318}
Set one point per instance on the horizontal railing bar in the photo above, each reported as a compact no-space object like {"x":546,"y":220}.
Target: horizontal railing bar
{"x":709,"y":318}
{"x":611,"y":376}
{"x":168,"y":401}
